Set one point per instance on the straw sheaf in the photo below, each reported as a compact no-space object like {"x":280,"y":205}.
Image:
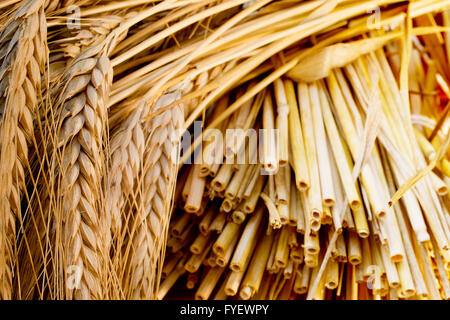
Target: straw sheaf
{"x":159,"y":172}
{"x":22,"y":59}
{"x":80,"y":141}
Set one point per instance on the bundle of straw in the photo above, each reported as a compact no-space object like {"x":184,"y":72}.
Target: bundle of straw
{"x":251,"y":149}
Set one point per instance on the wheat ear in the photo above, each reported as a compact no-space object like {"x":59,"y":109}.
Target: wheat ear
{"x":22,"y":59}
{"x":126,"y":152}
{"x":85,"y":227}
{"x":152,"y":219}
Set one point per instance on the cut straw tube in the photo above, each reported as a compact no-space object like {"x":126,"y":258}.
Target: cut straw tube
{"x":207,"y":218}
{"x":197,"y":187}
{"x":269,"y":155}
{"x":221,"y":180}
{"x":439,"y":186}
{"x":233,"y":187}
{"x":391,"y":270}
{"x":199,"y":243}
{"x":366,"y":263}
{"x":222,"y":261}
{"x":250,"y":203}
{"x":242,"y":252}
{"x":282,"y":123}
{"x":252,"y":200}
{"x":314,"y":192}
{"x":361,"y":225}
{"x":299,"y":161}
{"x":311,"y":244}
{"x":192,"y":280}
{"x":227,"y":205}
{"x":218,"y":223}
{"x":187,"y":186}
{"x":282,"y":252}
{"x":211,"y":260}
{"x":292,"y":240}
{"x":230,"y":231}
{"x":288,"y":271}
{"x":332,"y":275}
{"x":235,"y":279}
{"x":296,"y":254}
{"x":407,"y":287}
{"x":196,"y":260}
{"x":249,"y":173}
{"x":181,"y":183}
{"x":281,"y":187}
{"x":421,"y":289}
{"x":203,"y":205}
{"x":354,"y":249}
{"x":302,"y":282}
{"x":180,"y":224}
{"x":238,"y":216}
{"x":208,"y":283}
{"x":341,"y":252}
{"x":283,"y":212}
{"x":327,"y":217}
{"x":312,"y":223}
{"x":253,"y":277}
{"x":318,"y":98}
{"x":252,"y":183}
{"x":300,"y":213}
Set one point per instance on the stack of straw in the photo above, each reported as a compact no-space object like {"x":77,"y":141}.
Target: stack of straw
{"x":321,"y":170}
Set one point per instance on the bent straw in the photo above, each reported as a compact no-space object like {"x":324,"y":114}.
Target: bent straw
{"x":274,"y":217}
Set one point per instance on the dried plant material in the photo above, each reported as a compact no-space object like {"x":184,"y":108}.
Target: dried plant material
{"x":320,"y":64}
{"x":355,"y":104}
{"x":154,"y":208}
{"x":23,"y":47}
